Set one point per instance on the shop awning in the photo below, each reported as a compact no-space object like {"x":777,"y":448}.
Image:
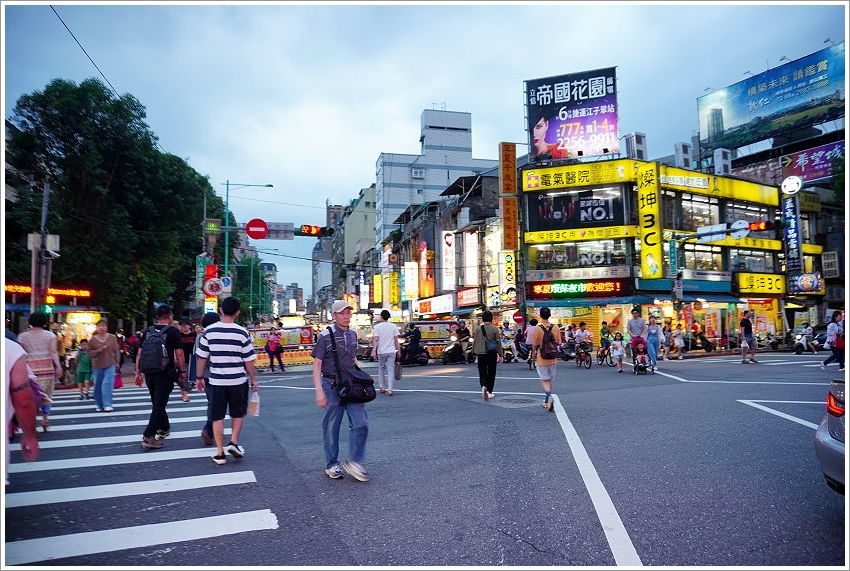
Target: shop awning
{"x":711,"y":298}
{"x":592,"y":301}
{"x":464,"y":310}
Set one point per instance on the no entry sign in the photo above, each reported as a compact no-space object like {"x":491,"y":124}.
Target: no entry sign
{"x":257,"y":229}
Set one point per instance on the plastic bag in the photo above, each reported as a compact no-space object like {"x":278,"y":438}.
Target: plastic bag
{"x":254,"y":403}
{"x":119,"y":382}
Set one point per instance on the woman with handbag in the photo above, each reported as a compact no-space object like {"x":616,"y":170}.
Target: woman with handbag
{"x":835,"y":340}
{"x":327,"y":352}
{"x":487,"y":347}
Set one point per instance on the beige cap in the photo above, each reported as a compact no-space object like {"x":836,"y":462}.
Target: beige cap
{"x":340,"y":305}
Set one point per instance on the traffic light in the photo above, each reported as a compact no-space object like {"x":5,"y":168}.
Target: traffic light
{"x":316,"y":231}
{"x":763,"y":225}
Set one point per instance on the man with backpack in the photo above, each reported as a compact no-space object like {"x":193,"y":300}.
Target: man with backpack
{"x":544,"y":340}
{"x":160,"y":360}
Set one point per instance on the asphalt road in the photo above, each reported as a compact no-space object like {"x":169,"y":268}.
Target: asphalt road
{"x":705,"y":463}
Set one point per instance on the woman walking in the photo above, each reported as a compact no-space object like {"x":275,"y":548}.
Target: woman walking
{"x":654,"y":339}
{"x":42,"y":358}
{"x":103,"y":350}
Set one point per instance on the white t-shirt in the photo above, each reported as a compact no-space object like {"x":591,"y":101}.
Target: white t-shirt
{"x":385,"y":332}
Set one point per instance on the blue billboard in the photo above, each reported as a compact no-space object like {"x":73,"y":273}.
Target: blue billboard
{"x":805,"y":92}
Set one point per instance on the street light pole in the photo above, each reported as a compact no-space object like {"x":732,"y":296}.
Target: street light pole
{"x":227,"y":220}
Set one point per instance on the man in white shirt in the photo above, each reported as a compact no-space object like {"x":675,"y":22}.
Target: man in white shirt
{"x":386,"y":350}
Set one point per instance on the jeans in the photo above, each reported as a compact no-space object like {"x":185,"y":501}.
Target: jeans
{"x":487,"y":370}
{"x":160,"y":386}
{"x":386,"y":369}
{"x":358,"y":424}
{"x":104,"y":384}
{"x":837,"y":355}
{"x":652,"y":349}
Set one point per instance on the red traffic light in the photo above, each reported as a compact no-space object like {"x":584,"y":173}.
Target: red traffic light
{"x":760,"y":226}
{"x":317,"y":231}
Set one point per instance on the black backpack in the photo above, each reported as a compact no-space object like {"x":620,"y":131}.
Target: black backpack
{"x":154,"y":356}
{"x":548,"y":346}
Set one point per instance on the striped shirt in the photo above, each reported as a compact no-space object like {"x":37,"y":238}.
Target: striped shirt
{"x":228,"y":347}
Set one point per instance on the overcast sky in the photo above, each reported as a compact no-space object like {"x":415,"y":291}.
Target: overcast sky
{"x":305,"y":96}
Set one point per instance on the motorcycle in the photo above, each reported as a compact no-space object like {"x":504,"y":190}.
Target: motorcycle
{"x":453,"y":352}
{"x":522,"y":351}
{"x":568,"y":350}
{"x":420,"y":358}
{"x":364,"y":350}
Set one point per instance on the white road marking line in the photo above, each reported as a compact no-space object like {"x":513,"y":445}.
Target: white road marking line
{"x":755,"y":404}
{"x":98,"y":440}
{"x":75,"y":544}
{"x":92,"y":462}
{"x":84,"y":493}
{"x":621,"y":544}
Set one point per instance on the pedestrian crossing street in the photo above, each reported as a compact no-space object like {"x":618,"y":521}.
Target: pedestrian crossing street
{"x":91,"y":462}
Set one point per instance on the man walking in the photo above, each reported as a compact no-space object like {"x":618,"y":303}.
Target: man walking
{"x":324,"y":374}
{"x":749,"y":342}
{"x":229,"y":349}
{"x":386,"y":350}
{"x":546,"y":368}
{"x":161,"y":383}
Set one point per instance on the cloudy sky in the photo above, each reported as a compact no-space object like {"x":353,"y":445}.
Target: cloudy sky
{"x":306,"y":95}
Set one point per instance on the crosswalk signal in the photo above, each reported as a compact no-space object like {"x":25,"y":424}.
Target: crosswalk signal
{"x":316,"y":231}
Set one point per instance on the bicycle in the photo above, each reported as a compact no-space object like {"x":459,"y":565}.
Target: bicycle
{"x":603,"y":355}
{"x":583,"y":355}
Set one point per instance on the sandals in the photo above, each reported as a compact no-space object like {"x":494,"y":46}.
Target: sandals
{"x":45,"y":424}
{"x":186,"y":398}
{"x":383,"y":390}
{"x":389,"y":393}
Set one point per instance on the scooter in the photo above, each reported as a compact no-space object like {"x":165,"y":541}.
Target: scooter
{"x":453,"y":352}
{"x":508,"y":350}
{"x":421,"y":358}
{"x":568,"y":350}
{"x":803,"y":343}
{"x":522,"y":351}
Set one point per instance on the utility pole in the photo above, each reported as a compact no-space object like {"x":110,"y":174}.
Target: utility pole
{"x":44,"y":249}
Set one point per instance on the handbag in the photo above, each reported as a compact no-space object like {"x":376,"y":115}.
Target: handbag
{"x":351,"y":383}
{"x":398,"y":369}
{"x":119,"y":382}
{"x":491,"y":345}
{"x":839,"y":342}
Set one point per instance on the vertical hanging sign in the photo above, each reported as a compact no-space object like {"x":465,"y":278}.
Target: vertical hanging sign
{"x":649,"y":222}
{"x":508,"y":200}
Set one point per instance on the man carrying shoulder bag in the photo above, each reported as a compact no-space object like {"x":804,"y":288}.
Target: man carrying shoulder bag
{"x":487,"y":359}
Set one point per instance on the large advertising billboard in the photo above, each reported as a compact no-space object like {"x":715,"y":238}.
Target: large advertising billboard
{"x":805,"y":92}
{"x":572,"y":115}
{"x":582,"y":209}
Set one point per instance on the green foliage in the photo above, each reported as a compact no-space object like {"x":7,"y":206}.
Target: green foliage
{"x":838,"y":189}
{"x":123,"y":209}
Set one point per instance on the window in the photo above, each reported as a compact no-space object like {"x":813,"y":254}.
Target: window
{"x":577,"y":255}
{"x":417,"y":172}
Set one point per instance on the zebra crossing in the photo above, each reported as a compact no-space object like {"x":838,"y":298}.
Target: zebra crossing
{"x":80,"y":498}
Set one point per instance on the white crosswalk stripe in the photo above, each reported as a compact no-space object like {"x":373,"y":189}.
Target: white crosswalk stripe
{"x":93,"y":444}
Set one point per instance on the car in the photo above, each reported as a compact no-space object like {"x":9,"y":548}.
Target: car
{"x":829,"y":438}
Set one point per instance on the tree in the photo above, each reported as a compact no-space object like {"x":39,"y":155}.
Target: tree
{"x":123,"y":209}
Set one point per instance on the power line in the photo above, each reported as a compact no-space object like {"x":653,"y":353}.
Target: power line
{"x":85,"y":52}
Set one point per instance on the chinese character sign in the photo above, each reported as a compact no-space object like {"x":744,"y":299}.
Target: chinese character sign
{"x":572,"y":115}
{"x":649,"y":222}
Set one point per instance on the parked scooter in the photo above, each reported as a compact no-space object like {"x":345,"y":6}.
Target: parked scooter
{"x":421,"y":358}
{"x":453,"y":352}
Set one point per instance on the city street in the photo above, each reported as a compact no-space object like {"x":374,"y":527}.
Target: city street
{"x":707,"y":462}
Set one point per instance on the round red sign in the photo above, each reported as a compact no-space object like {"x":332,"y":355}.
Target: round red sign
{"x":518,"y":316}
{"x":257,"y":229}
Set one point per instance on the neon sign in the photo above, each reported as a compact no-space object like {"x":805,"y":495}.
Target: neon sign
{"x":576,"y":289}
{"x":50,"y":291}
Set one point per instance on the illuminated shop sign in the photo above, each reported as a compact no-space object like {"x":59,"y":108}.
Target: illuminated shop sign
{"x":11,"y":288}
{"x":577,"y":289}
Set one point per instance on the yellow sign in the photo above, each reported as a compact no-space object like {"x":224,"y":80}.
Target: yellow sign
{"x":649,"y":222}
{"x":377,"y":289}
{"x":510,"y":223}
{"x":585,"y":174}
{"x":574,"y":235}
{"x":760,"y":283}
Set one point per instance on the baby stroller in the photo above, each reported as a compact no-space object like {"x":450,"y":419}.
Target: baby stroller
{"x":641,"y":362}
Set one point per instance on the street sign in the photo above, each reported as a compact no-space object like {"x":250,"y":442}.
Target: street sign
{"x":674,"y":258}
{"x":739,"y":229}
{"x":711,"y":233}
{"x":677,"y":289}
{"x":518,"y":318}
{"x":257,"y":229}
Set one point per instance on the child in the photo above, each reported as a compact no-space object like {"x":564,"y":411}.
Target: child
{"x":618,"y":346}
{"x":641,"y":356}
{"x":84,"y":370}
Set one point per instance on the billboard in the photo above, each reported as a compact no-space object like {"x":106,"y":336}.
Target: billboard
{"x":563,"y":210}
{"x":572,"y":115}
{"x":812,"y":164}
{"x":805,"y":92}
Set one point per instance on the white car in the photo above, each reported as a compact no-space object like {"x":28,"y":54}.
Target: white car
{"x":829,"y":438}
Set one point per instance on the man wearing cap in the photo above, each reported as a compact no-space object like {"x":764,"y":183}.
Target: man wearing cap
{"x":324,"y":373}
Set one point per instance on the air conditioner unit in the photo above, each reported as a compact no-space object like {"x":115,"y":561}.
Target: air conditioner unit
{"x":636,"y":146}
{"x":684,"y":155}
{"x":722,"y":162}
